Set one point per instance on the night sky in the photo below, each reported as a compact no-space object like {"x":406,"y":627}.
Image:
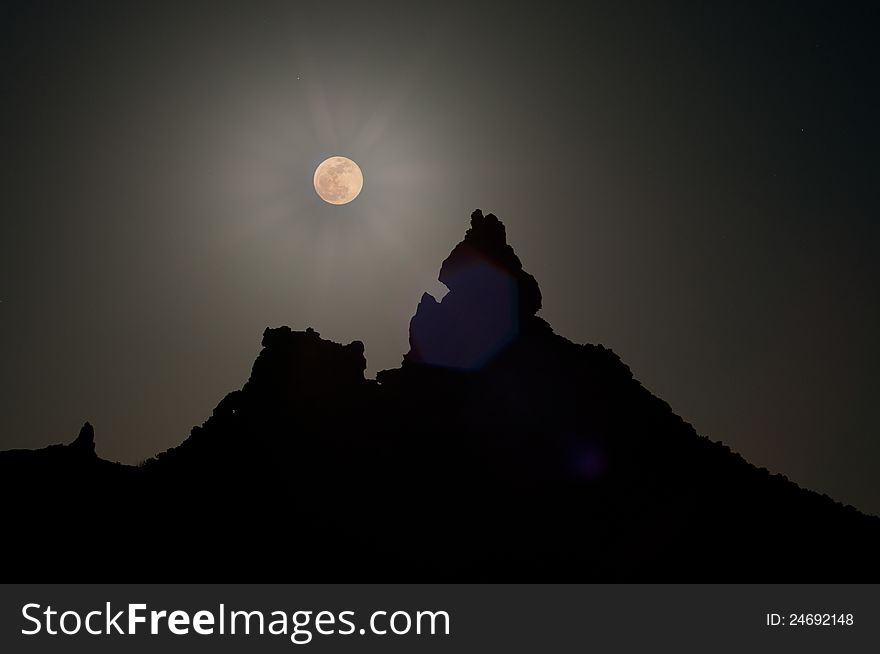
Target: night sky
{"x":693,"y":185}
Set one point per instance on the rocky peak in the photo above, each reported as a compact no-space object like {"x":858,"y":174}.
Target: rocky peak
{"x":490,"y":297}
{"x":85,"y":441}
{"x":485,"y":244}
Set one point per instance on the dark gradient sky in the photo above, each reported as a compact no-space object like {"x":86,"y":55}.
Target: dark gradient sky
{"x":693,"y":185}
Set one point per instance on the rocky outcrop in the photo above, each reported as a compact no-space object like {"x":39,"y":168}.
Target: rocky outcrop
{"x":85,"y":441}
{"x":490,"y":300}
{"x":302,"y":363}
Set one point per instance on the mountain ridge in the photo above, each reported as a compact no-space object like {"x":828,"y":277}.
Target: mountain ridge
{"x":546,"y":461}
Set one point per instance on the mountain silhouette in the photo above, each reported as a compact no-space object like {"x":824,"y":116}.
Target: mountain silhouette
{"x":498,"y":451}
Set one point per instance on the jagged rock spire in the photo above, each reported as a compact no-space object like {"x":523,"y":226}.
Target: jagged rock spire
{"x":486,"y":241}
{"x":490,"y":296}
{"x":85,"y":442}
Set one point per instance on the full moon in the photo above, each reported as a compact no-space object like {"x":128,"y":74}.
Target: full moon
{"x":338,"y":180}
